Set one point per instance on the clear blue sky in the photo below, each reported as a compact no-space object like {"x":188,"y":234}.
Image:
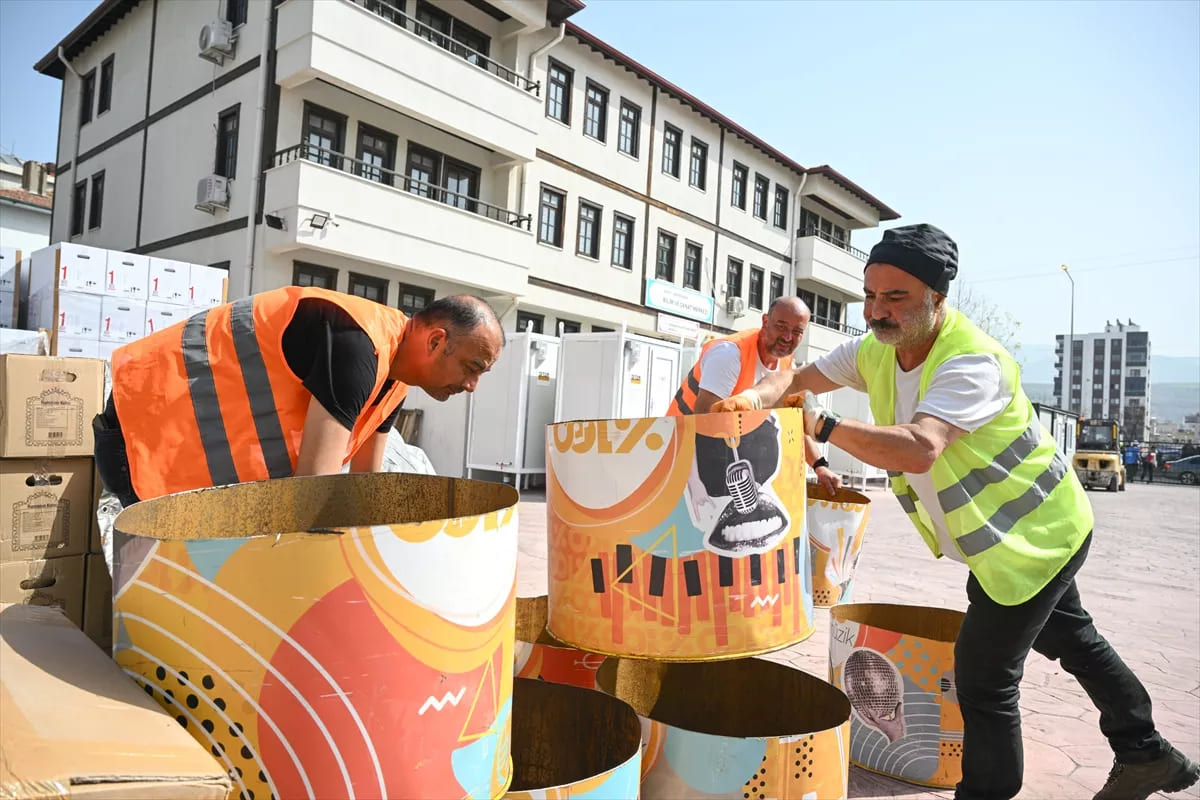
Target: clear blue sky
{"x":1035,"y":134}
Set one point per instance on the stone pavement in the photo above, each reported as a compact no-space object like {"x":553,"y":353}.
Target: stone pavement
{"x":1141,"y":583}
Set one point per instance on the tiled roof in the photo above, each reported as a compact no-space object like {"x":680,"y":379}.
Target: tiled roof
{"x":27,"y":198}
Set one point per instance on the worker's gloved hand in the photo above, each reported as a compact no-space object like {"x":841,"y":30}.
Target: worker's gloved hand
{"x":743,"y":401}
{"x":814,"y":412}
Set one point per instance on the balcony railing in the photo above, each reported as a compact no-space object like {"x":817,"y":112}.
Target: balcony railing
{"x":838,"y":326}
{"x":386,"y":10}
{"x":377,"y":174}
{"x":811,"y":230}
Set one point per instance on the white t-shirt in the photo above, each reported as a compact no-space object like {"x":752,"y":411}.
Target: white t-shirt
{"x":965,"y":391}
{"x":721,"y":365}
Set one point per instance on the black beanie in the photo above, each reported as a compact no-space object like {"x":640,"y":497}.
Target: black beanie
{"x":923,"y":251}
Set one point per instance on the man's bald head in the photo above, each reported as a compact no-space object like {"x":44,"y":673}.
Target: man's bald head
{"x":783,"y":327}
{"x":786,"y":304}
{"x":448,"y":345}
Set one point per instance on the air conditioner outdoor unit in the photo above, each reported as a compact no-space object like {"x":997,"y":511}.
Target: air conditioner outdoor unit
{"x":212,"y":193}
{"x":734,"y":306}
{"x":216,"y":41}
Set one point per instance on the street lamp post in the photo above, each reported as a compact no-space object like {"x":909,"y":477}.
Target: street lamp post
{"x":1069,"y":355}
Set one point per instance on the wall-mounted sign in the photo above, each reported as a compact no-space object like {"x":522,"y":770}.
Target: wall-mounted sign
{"x":675,"y":326}
{"x":674,"y":300}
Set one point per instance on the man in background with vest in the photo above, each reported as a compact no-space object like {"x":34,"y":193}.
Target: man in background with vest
{"x":983,"y":483}
{"x":736,"y":362}
{"x":292,"y":381}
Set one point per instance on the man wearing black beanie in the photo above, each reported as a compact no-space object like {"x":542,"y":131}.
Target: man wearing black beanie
{"x":985,"y":484}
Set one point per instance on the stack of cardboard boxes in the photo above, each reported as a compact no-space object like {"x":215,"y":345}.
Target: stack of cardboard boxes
{"x":92,"y":301}
{"x":50,"y":550}
{"x":10,"y":289}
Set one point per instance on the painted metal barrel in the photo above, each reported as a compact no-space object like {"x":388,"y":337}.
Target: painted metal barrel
{"x":679,"y":538}
{"x":330,"y":637}
{"x":735,"y":729}
{"x":837,"y":523}
{"x":539,"y":655}
{"x":896,"y":664}
{"x":572,"y":742}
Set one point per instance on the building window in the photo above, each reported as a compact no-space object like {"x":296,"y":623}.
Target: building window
{"x":835,"y":313}
{"x":629,"y":132}
{"x":227,"y":142}
{"x":78,"y":207}
{"x":737,"y":192}
{"x":756,"y":287}
{"x":96,"y":212}
{"x":733,"y":278}
{"x":422,"y":170}
{"x":376,"y":154}
{"x":622,"y":244}
{"x":558,"y":92}
{"x":664,"y":263}
{"x":367,"y":286}
{"x":601,"y":329}
{"x":595,"y":112}
{"x":588,"y":238}
{"x":698,"y":171}
{"x":569,"y":326}
{"x":781,"y":207}
{"x":413,"y":299}
{"x":442,"y":29}
{"x":106,"y":85}
{"x":529,"y":322}
{"x":461,"y":182}
{"x":235,"y":12}
{"x":672,"y":140}
{"x":324,"y":135}
{"x":550,"y":217}
{"x":761,"y":187}
{"x":304,"y":274}
{"x":87,"y":96}
{"x":693,"y":257}
{"x":776,"y":287}
{"x":430,"y":174}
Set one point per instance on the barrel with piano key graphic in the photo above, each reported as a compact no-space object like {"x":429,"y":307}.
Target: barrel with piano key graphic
{"x":679,"y":538}
{"x":744,"y":729}
{"x":539,"y":655}
{"x":896,"y":664}
{"x":329,"y":637}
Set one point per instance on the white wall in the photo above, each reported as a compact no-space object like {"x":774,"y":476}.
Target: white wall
{"x":677,"y":192}
{"x":745,"y":223}
{"x":22,"y":228}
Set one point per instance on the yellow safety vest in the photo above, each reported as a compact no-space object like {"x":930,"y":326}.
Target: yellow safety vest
{"x":1012,"y":504}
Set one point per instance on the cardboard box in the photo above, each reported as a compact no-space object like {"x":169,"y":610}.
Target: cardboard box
{"x":66,"y":267}
{"x":169,"y":281}
{"x":127,"y":276}
{"x":95,"y":545}
{"x":75,"y":724}
{"x":164,"y":315}
{"x":10,"y":269}
{"x":207,"y":286}
{"x":8,"y":309}
{"x":122,"y":320}
{"x":77,"y":347}
{"x":47,"y":405}
{"x":45,"y":507}
{"x":97,"y":602}
{"x":55,"y":582}
{"x":67,"y":314}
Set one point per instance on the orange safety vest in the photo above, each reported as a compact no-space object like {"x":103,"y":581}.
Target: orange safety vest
{"x":211,"y":400}
{"x":747,"y":343}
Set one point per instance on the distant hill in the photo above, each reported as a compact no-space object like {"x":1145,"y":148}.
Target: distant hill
{"x":1171,"y":401}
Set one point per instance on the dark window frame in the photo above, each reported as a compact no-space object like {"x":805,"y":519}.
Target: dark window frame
{"x":87,"y":96}
{"x":423,"y":292}
{"x":698,"y":164}
{"x":672,"y":137}
{"x":561,"y":325}
{"x":385,"y":172}
{"x":96,"y":207}
{"x":601,"y":124}
{"x":629,"y":129}
{"x":355,"y":279}
{"x":78,"y":207}
{"x":627,"y":262}
{"x":450,"y":163}
{"x":539,"y":321}
{"x":225,"y":161}
{"x":760,"y":200}
{"x":690,"y":247}
{"x":782,"y":197}
{"x":730,"y":273}
{"x":761,"y":274}
{"x":558,"y":232}
{"x":597,"y":223}
{"x":665,"y":272}
{"x":338,"y":147}
{"x":566,"y":85}
{"x":776,"y":290}
{"x":299,"y":267}
{"x":435,"y":179}
{"x":104,"y":96}
{"x":738,"y":185}
{"x":236,"y":12}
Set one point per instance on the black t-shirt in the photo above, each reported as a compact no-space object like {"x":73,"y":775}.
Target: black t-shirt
{"x":335,"y":359}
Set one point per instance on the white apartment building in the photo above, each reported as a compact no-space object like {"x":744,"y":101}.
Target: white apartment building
{"x":1110,"y":376}
{"x":26,"y":197}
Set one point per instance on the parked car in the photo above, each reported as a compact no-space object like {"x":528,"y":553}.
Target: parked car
{"x":1184,"y":470}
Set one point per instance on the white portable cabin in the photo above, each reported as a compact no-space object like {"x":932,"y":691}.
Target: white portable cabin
{"x":615,"y":375}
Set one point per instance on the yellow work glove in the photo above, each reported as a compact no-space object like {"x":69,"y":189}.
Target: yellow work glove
{"x":744,"y":401}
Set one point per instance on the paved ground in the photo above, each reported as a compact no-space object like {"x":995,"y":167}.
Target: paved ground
{"x":1141,"y":583}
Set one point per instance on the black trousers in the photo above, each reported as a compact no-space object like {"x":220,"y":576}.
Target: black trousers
{"x":112,"y":460}
{"x":990,"y":660}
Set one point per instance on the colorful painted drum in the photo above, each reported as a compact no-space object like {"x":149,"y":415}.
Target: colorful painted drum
{"x":679,"y":538}
{"x":572,"y":742}
{"x":837,"y":522}
{"x":735,"y":729}
{"x":540,"y":655}
{"x":330,"y":637}
{"x":896,"y":664}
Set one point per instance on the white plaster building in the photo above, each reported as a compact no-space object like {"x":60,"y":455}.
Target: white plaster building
{"x":1110,"y":376}
{"x":26,"y":197}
